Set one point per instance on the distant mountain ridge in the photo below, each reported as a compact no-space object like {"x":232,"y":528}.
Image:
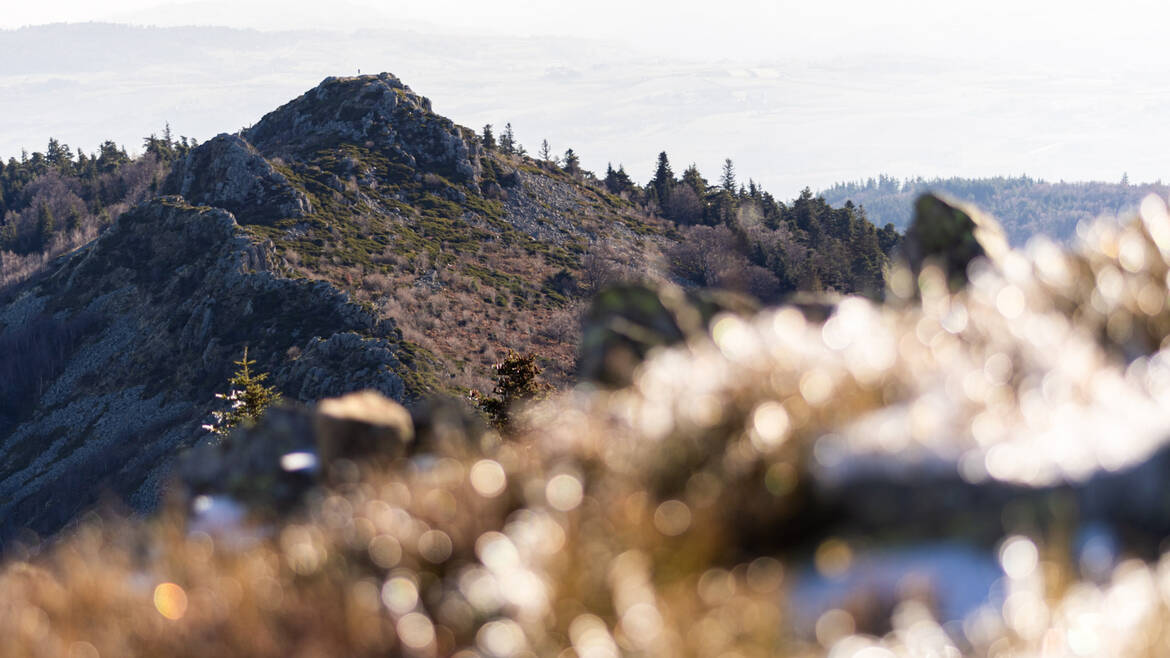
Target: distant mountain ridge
{"x":1024,"y":206}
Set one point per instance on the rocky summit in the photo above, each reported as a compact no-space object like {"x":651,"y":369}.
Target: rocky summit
{"x":377,"y":112}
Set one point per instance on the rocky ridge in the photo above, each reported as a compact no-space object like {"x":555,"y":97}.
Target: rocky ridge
{"x":172,"y":293}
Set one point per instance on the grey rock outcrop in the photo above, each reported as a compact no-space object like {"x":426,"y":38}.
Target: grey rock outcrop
{"x":377,"y":112}
{"x":226,"y":172}
{"x":327,"y":366}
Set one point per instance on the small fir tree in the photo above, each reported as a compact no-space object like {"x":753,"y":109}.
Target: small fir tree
{"x":618,"y":181}
{"x":489,"y":140}
{"x":545,"y":151}
{"x":247,"y":398}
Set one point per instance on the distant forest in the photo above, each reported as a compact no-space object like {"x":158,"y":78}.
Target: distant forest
{"x":1025,"y":206}
{"x":58,"y":200}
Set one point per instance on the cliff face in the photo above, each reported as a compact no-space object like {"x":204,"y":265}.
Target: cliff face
{"x":144,"y":324}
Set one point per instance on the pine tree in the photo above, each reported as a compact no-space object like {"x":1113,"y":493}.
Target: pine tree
{"x":545,"y":151}
{"x":110,"y":157}
{"x":617,"y":181}
{"x":489,"y":140}
{"x":60,"y":156}
{"x":727,"y":180}
{"x":693,"y":178}
{"x":508,"y":140}
{"x":73,"y":220}
{"x":572,"y":163}
{"x":663,"y":179}
{"x":248,"y":398}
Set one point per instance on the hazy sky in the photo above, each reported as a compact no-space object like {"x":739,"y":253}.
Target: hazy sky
{"x":798,"y":93}
{"x":1037,"y":30}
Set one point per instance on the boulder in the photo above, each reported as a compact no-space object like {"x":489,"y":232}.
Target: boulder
{"x":363,"y":424}
{"x":626,"y":322}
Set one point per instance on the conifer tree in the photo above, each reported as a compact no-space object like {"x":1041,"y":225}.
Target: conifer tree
{"x":73,"y":221}
{"x":489,"y":140}
{"x":545,"y":151}
{"x":508,"y":140}
{"x":248,"y":398}
{"x":693,"y":178}
{"x":727,"y":180}
{"x":663,"y":179}
{"x":572,"y":163}
{"x":60,"y":156}
{"x":663,"y":176}
{"x":617,"y":181}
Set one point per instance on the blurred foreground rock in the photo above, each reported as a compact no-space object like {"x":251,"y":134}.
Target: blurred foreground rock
{"x":273,"y":464}
{"x":950,"y":235}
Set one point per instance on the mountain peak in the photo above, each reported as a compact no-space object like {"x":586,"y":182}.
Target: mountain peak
{"x":377,"y":112}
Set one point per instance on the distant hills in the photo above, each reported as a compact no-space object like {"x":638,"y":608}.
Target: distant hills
{"x":1025,"y":206}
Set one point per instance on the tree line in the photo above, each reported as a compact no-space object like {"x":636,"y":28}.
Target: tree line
{"x":740,"y":237}
{"x":56,"y":200}
{"x":1025,"y":206}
